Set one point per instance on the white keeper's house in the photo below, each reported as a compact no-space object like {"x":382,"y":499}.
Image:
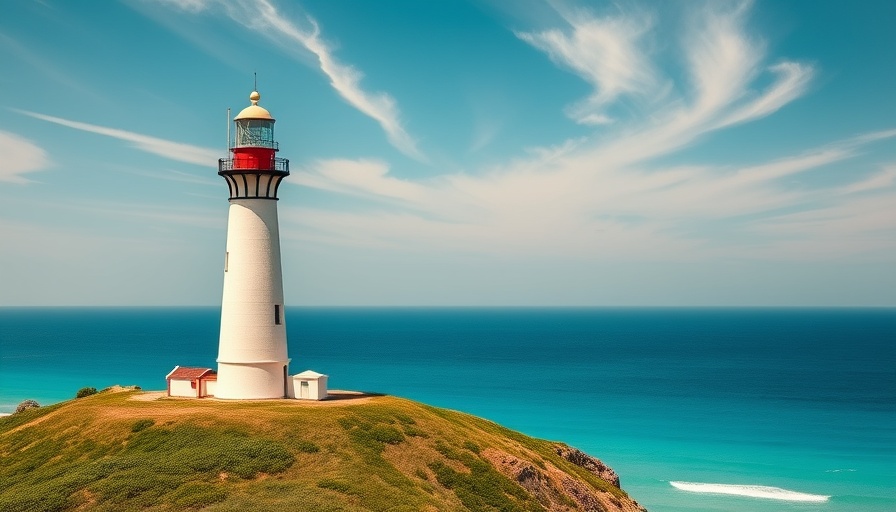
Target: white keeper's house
{"x":191,"y":382}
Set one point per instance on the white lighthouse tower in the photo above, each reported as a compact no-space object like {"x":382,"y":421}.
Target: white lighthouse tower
{"x":252,"y":356}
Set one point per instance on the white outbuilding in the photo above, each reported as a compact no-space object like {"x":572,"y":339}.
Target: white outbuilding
{"x":308,"y":385}
{"x":191,"y":382}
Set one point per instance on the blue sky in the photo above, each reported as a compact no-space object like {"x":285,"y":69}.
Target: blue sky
{"x":456,"y":153}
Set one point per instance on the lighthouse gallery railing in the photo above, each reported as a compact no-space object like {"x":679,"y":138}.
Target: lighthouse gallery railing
{"x":231,"y":164}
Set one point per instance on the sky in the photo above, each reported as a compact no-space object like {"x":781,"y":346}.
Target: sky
{"x":456,"y":153}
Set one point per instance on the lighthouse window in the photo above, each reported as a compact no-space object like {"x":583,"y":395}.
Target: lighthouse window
{"x":255,"y":132}
{"x":277,"y":314}
{"x":226,"y":260}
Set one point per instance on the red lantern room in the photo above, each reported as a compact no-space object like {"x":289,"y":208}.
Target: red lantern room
{"x":253,"y":171}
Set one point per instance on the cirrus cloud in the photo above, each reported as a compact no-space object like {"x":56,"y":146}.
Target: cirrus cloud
{"x":20,"y":156}
{"x":165,"y":148}
{"x":265,"y":18}
{"x":611,"y":197}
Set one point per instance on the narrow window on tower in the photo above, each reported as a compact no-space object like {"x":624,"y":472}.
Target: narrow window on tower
{"x":277,"y":314}
{"x":226,"y":260}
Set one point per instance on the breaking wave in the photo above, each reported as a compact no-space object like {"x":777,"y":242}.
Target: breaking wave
{"x":752,"y":491}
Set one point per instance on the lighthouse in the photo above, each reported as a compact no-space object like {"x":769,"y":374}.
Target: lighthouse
{"x":252,"y":355}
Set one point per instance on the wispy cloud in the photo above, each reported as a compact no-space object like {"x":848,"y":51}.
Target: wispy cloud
{"x":358,"y":177}
{"x":165,"y":148}
{"x":20,"y":156}
{"x":605,"y":52}
{"x":193,"y":6}
{"x":793,"y":79}
{"x":618,"y":213}
{"x":612,"y":198}
{"x":886,"y":178}
{"x":264,"y":17}
{"x":722,"y":59}
{"x":721,"y":64}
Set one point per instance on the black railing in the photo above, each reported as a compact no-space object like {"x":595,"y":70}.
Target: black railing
{"x":275,"y":164}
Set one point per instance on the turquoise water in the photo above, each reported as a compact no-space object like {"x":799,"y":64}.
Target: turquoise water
{"x":800,"y":400}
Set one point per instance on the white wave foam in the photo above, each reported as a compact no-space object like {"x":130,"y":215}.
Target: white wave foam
{"x":752,"y":491}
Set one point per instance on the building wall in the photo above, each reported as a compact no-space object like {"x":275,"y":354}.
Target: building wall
{"x":182,"y":388}
{"x":251,"y":381}
{"x":291,"y":385}
{"x":317,"y":388}
{"x":320,"y":389}
{"x":252,"y":348}
{"x":210,"y":387}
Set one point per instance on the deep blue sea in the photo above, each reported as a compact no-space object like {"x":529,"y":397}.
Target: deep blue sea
{"x":802,"y":400}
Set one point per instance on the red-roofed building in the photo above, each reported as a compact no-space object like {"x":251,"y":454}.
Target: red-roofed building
{"x":191,"y":382}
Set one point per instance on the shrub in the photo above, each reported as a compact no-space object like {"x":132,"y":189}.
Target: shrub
{"x":335,"y":485}
{"x":187,"y":449}
{"x":404,"y":418}
{"x":371,"y":436}
{"x":415,"y":432}
{"x":386,"y":434}
{"x":142,"y":425}
{"x":197,"y":494}
{"x":140,"y":487}
{"x":85,"y":392}
{"x":27,"y":404}
{"x":307,"y":447}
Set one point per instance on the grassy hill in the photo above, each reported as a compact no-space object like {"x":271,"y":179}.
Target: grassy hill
{"x":131,"y":450}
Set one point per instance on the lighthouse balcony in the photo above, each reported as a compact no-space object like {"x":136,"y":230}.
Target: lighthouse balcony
{"x":249,"y":162}
{"x":253,"y":181}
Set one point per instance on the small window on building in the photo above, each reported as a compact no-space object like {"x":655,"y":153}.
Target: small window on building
{"x":277,"y":314}
{"x":226,"y":260}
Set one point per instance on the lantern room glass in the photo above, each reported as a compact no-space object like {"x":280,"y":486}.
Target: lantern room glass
{"x":258,"y":133}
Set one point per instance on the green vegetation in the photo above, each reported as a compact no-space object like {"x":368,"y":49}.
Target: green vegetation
{"x":335,"y":485}
{"x":142,"y":424}
{"x":307,"y":447}
{"x":109,"y":452}
{"x":85,"y":392}
{"x":482,"y":488}
{"x":470,"y":445}
{"x":156,"y":466}
{"x":24,"y":405}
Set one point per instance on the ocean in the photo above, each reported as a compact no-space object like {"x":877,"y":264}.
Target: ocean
{"x":697,"y":409}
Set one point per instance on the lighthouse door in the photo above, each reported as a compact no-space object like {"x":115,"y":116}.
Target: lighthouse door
{"x":285,"y":382}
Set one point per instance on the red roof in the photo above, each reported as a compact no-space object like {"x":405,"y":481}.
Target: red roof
{"x":188,"y":373}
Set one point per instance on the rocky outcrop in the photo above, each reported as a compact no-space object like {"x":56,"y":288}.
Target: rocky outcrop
{"x":556,"y":490}
{"x":593,"y":465}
